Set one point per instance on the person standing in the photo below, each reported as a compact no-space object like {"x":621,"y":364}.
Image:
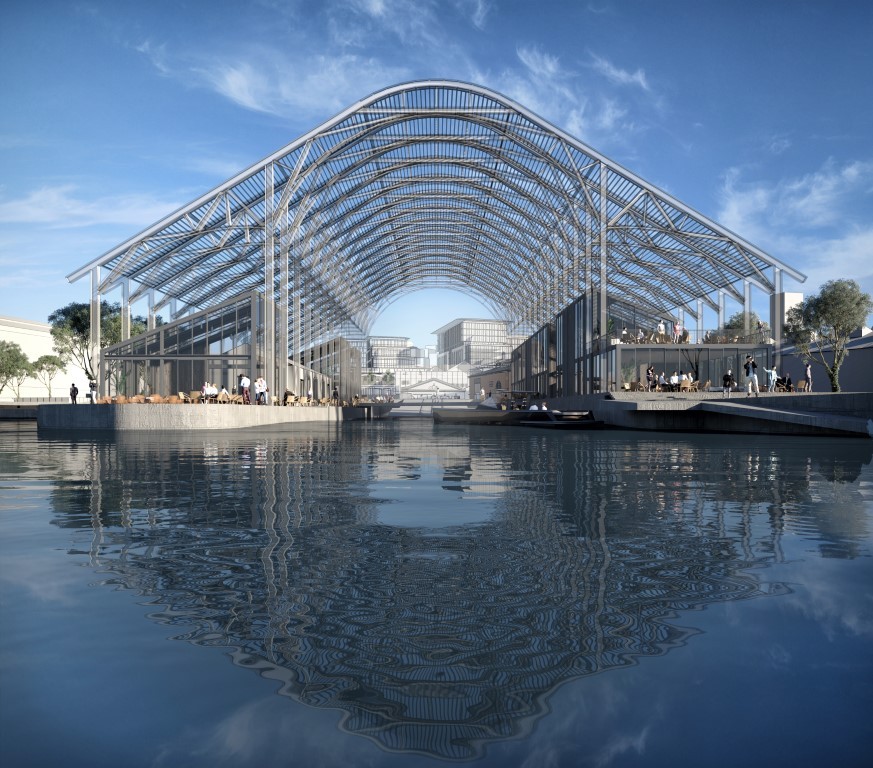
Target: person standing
{"x":260,"y":391}
{"x":74,"y":393}
{"x":772,"y":375}
{"x":727,"y":382}
{"x":245,"y":384}
{"x":807,"y":376}
{"x":92,"y":387}
{"x":751,"y":370}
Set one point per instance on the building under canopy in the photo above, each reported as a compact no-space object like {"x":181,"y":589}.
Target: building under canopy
{"x":426,"y":184}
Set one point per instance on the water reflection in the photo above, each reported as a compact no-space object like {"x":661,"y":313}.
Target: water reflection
{"x":435,"y":585}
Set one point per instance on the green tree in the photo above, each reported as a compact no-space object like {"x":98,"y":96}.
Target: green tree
{"x":14,"y":366}
{"x":71,"y":331}
{"x":46,"y":368}
{"x":824,"y":321}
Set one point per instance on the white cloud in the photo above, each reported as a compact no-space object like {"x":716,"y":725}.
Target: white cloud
{"x":157,"y":55}
{"x":816,"y":222}
{"x":540,"y":64}
{"x":59,"y":207}
{"x":479,"y":10}
{"x":413,"y":24}
{"x":619,"y":76}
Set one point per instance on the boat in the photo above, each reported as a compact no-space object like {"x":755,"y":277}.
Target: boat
{"x":560,"y":420}
{"x":511,"y":418}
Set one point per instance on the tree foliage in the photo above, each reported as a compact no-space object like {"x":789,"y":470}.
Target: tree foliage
{"x":14,"y":366}
{"x":822,"y":323}
{"x":737,"y":322}
{"x":71,"y":331}
{"x":46,"y":368}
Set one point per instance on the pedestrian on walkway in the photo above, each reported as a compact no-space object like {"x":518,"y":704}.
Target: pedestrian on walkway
{"x":727,"y":382}
{"x":751,"y":370}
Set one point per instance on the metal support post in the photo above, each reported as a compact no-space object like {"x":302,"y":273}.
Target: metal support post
{"x":269,"y":316}
{"x":603,"y":313}
{"x":96,"y":318}
{"x":125,"y":310}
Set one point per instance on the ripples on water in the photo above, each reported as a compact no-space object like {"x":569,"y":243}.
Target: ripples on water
{"x":437,"y":584}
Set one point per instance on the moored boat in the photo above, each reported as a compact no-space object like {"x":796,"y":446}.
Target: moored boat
{"x":496,"y":416}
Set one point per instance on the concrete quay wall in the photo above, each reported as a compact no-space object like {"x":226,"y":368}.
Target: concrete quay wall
{"x":15,"y":412}
{"x":175,"y":417}
{"x":827,"y":414}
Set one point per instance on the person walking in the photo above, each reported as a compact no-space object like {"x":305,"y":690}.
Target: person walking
{"x":727,"y":382}
{"x":807,"y":376}
{"x":751,"y":370}
{"x":74,"y":393}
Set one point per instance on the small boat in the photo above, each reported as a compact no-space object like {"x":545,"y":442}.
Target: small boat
{"x":480,"y":415}
{"x":560,"y":420}
{"x":496,"y":416}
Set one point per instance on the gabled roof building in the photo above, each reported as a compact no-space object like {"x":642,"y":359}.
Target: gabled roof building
{"x":435,"y":184}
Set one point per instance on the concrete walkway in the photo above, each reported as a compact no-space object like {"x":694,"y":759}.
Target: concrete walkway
{"x":848,"y":414}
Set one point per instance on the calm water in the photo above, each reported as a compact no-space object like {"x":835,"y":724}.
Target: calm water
{"x":397,"y":594}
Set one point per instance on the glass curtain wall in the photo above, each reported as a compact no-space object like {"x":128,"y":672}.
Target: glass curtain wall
{"x":215,"y":345}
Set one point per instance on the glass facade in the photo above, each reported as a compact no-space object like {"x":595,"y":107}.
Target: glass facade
{"x":219,"y":345}
{"x":474,"y":342}
{"x":215,"y":345}
{"x":562,"y":359}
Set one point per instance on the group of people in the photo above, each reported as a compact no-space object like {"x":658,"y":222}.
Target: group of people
{"x":210,"y":391}
{"x":92,"y":392}
{"x":775,"y":382}
{"x":678,"y":334}
{"x":260,"y":390}
{"x":671,"y":383}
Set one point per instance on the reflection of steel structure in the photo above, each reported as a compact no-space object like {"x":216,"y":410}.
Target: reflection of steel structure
{"x":432,"y":183}
{"x":428,"y":641}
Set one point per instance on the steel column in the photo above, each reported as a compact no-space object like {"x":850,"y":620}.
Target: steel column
{"x":95,"y":330}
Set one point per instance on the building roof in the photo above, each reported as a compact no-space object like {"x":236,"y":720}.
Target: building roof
{"x":435,"y":184}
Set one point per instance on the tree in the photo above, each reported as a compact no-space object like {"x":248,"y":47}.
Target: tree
{"x":71,"y":331}
{"x":46,"y":368}
{"x":14,"y":366}
{"x":824,"y":321}
{"x":737,"y":322}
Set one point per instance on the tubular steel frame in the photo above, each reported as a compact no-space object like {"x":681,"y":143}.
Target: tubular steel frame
{"x":432,"y":184}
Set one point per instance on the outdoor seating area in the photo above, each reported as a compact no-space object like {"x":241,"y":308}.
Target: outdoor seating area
{"x":682,"y":387}
{"x":680,"y":335}
{"x":195,"y":397}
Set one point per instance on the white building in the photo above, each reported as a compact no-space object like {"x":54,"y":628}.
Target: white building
{"x":35,"y":340}
{"x":474,"y":342}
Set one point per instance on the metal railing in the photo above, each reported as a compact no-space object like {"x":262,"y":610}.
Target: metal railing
{"x":719,"y":336}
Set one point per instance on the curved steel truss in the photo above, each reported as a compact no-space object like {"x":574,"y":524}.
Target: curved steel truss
{"x":429,"y":184}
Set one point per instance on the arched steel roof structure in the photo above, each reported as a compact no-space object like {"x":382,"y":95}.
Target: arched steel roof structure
{"x":434,"y":183}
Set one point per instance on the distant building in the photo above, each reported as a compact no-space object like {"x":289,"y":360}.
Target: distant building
{"x":386,"y":353}
{"x":35,"y":340}
{"x":436,"y":388}
{"x":490,"y":380}
{"x":474,"y":342}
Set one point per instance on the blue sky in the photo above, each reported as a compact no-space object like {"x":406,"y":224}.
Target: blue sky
{"x":113,"y":114}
